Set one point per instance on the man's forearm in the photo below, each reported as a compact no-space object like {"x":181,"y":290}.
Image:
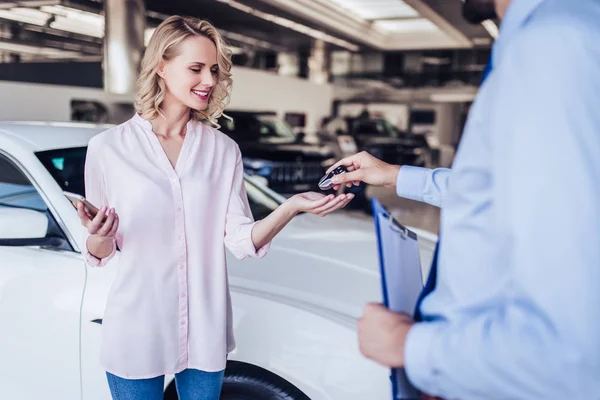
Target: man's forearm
{"x":423,"y":184}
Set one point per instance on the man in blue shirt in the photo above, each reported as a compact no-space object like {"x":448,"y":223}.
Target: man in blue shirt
{"x":515,"y":309}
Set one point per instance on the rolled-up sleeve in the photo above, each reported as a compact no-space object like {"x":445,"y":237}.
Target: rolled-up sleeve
{"x":423,"y":184}
{"x":239,"y":222}
{"x":95,"y":193}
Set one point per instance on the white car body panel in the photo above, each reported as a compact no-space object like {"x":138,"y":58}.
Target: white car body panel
{"x":294,"y":311}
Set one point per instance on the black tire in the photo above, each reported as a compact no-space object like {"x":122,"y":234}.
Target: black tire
{"x":248,"y":382}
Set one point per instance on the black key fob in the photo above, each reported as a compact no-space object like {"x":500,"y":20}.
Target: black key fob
{"x":325,"y":182}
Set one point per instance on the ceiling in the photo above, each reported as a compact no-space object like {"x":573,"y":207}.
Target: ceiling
{"x":67,"y":29}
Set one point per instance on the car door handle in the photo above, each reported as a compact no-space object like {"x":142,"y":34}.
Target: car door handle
{"x":97,"y":321}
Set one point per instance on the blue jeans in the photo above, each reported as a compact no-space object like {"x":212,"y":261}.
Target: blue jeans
{"x":191,"y":384}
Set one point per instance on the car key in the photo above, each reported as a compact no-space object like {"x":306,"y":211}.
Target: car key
{"x":325,"y":182}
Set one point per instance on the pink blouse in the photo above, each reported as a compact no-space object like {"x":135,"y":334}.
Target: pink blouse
{"x":169,"y":307}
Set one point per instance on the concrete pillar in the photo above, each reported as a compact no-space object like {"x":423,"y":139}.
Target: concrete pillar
{"x":123,"y":44}
{"x":318,"y":63}
{"x":288,"y":64}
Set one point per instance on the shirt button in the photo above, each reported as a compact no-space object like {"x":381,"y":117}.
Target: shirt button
{"x":181,"y":266}
{"x":174,"y":180}
{"x":180,"y":237}
{"x":183,"y":295}
{"x":179,"y":209}
{"x":182,"y":322}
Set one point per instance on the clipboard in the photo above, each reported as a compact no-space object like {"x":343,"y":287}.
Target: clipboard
{"x":401,"y":279}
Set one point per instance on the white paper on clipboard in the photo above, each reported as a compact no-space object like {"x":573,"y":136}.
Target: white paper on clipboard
{"x":401,"y":279}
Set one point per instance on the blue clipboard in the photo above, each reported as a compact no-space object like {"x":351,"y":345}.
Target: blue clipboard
{"x":401,"y":279}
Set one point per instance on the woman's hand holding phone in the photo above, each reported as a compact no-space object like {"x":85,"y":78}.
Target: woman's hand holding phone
{"x":95,"y":225}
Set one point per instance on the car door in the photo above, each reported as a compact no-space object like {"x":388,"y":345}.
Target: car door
{"x":41,"y":287}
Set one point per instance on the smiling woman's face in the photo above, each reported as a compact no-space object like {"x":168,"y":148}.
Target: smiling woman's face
{"x":190,"y":76}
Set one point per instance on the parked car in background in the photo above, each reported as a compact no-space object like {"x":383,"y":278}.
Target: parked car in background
{"x":294,"y":312}
{"x":379,"y":137}
{"x":271,"y":150}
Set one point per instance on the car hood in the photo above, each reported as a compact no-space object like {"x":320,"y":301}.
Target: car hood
{"x":329,"y":264}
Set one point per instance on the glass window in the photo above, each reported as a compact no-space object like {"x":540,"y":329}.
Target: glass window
{"x":369,"y":127}
{"x":66,"y":167}
{"x":15,"y":189}
{"x":274,"y":127}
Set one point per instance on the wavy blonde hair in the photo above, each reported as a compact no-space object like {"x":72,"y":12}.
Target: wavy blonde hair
{"x":164,"y":46}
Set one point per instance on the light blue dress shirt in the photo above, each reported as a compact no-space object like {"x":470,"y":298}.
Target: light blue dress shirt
{"x":516,"y":310}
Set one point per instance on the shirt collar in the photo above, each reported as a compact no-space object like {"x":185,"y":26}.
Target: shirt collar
{"x":144,"y":123}
{"x":516,"y":15}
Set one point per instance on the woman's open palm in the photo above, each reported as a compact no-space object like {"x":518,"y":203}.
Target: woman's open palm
{"x":318,"y":203}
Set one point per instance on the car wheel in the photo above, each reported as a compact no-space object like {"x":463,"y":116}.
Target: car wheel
{"x":247,"y":382}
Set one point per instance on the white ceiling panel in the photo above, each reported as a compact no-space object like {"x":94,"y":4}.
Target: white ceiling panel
{"x":417,"y":25}
{"x":377,"y":9}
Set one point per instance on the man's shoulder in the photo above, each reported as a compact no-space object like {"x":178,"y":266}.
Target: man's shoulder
{"x":568,"y":20}
{"x":559,"y":34}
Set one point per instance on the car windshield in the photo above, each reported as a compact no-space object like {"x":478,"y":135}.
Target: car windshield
{"x":67,"y":166}
{"x":273,"y":127}
{"x":375,"y":127}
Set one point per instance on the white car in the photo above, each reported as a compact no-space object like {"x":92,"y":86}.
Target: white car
{"x":294,"y":311}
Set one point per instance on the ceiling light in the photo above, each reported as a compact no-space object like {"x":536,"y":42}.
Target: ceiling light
{"x":76,"y":21}
{"x":417,"y":25}
{"x":378,"y":9}
{"x":292,"y":25}
{"x":41,"y":51}
{"x":27,"y":3}
{"x":65,"y":19}
{"x":491,"y":27}
{"x":26,"y":15}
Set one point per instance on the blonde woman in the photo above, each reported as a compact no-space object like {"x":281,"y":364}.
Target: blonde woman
{"x":178,"y":186}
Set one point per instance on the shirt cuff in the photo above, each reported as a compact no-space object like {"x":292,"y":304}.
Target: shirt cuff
{"x":410,"y":182}
{"x":418,"y":356}
{"x":94,"y":261}
{"x":247,"y":245}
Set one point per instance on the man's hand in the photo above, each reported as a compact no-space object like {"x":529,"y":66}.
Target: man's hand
{"x":366,"y":168}
{"x":382,"y":334}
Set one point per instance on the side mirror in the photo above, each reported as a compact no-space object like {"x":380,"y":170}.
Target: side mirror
{"x":23,"y":227}
{"x":300,"y":137}
{"x":21,"y":223}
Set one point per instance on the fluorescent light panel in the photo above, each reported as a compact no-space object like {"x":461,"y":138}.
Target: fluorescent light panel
{"x":66,"y":19}
{"x":491,"y":27}
{"x":292,"y":25}
{"x":417,"y":25}
{"x":377,"y":9}
{"x":42,"y":51}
